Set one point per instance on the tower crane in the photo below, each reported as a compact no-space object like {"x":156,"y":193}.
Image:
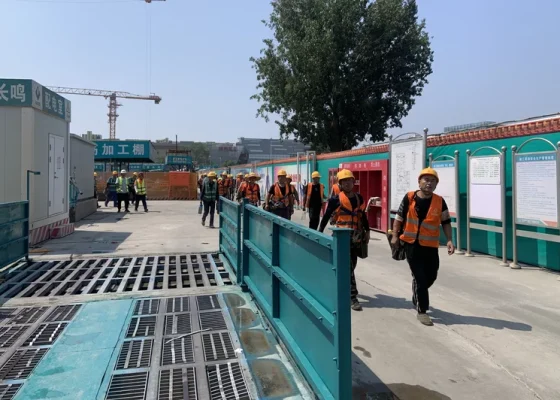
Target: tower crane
{"x":113,"y":104}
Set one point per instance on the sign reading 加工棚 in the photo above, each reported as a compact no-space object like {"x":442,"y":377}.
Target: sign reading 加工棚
{"x":28,"y":93}
{"x":121,"y":149}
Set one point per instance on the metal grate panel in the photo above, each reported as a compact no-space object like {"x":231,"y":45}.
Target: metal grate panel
{"x":63,"y":313}
{"x":177,"y":351}
{"x":8,"y":392}
{"x":135,"y":354}
{"x":141,"y":326}
{"x":146,"y":307}
{"x":177,"y":324}
{"x":128,"y":387}
{"x":6,"y":313}
{"x":9,"y":335}
{"x":178,"y":304}
{"x":27,"y":315}
{"x":226,"y":381}
{"x":21,"y":364}
{"x":212,"y":320}
{"x":208,"y":302}
{"x":218,"y":346}
{"x":45,"y":334}
{"x":177,"y":384}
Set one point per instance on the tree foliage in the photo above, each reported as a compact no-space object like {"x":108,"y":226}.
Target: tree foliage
{"x":200,"y":153}
{"x":341,"y":71}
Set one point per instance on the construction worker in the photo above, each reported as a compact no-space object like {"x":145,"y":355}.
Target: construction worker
{"x":95,"y":188}
{"x":209,"y":197}
{"x":348,"y":210}
{"x":131,"y":181}
{"x":335,"y":188}
{"x":140,"y":192}
{"x":244,"y":182}
{"x":238,"y":181}
{"x":111,"y":189}
{"x":231,"y":186}
{"x":250,"y":190}
{"x":279,"y":198}
{"x":200,"y":181}
{"x":422,"y":212}
{"x":222,"y":187}
{"x":313,"y":200}
{"x":294,"y":194}
{"x":122,"y":191}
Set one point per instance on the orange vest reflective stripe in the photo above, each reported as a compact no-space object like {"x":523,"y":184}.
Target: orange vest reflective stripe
{"x":346,"y":217}
{"x":222,"y":187}
{"x":335,"y":190}
{"x":251,"y":192}
{"x":309,"y":189}
{"x":428,"y":232}
{"x":279,"y":198}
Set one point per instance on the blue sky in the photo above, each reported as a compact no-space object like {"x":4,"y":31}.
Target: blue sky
{"x":494,"y":60}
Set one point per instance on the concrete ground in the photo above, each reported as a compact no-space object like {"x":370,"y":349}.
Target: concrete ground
{"x":496,"y":330}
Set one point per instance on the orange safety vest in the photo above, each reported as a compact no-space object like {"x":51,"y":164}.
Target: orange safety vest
{"x":238,"y":182}
{"x":335,"y":190}
{"x":309,"y":189}
{"x":346,"y":217}
{"x":251,"y":192}
{"x":428,"y":232}
{"x":222,"y":188}
{"x":279,"y":198}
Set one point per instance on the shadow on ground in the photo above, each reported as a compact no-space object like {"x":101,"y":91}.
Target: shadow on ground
{"x":443,"y":317}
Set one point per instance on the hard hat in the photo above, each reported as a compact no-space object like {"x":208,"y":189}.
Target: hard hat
{"x":289,"y":177}
{"x":123,"y":171}
{"x":315,"y":174}
{"x":344,"y":174}
{"x":211,"y":174}
{"x":115,"y":173}
{"x":240,"y":175}
{"x":429,"y":171}
{"x":95,"y":174}
{"x":230,"y":176}
{"x":255,"y":176}
{"x":282,"y":172}
{"x":135,"y":173}
{"x":224,"y":173}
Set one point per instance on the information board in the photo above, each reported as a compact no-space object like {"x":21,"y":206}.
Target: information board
{"x":485,"y":188}
{"x":447,"y":186}
{"x":407,"y":160}
{"x":536,"y":184}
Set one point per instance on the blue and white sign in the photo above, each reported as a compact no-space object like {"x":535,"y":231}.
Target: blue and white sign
{"x":178,"y":160}
{"x":125,"y":149}
{"x":447,"y":186}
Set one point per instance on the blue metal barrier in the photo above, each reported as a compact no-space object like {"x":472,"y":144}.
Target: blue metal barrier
{"x":14,"y":232}
{"x":301,"y":280}
{"x":230,"y":234}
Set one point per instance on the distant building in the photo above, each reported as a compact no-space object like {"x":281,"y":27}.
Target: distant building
{"x":258,"y":150}
{"x":468,"y":127}
{"x":91,"y":136}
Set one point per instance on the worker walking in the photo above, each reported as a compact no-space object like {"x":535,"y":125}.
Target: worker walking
{"x":313,"y":200}
{"x":422,"y":212}
{"x":209,"y":197}
{"x":335,"y":188}
{"x":111,"y":189}
{"x":347,"y":209}
{"x":250,"y":190}
{"x":122,"y":191}
{"x":279,"y":199}
{"x":140,"y":192}
{"x":222,"y":187}
{"x":132,"y":194}
{"x":295,"y":196}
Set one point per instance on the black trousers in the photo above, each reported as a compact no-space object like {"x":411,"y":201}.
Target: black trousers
{"x":123,"y":197}
{"x":283,"y":212}
{"x":141,"y":198}
{"x":314,"y":217}
{"x":132,"y":195}
{"x":424,"y":265}
{"x":209,"y":208}
{"x":353,"y":264}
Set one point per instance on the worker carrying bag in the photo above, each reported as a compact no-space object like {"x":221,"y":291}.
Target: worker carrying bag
{"x":397,"y":253}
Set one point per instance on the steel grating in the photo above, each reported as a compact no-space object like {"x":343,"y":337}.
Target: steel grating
{"x":208,"y":302}
{"x":135,"y":354}
{"x":218,"y":346}
{"x":63,"y":313}
{"x":213,"y":320}
{"x":9,"y":335}
{"x":8,"y":392}
{"x":146,"y":307}
{"x":177,"y":351}
{"x":115,"y":275}
{"x":178,"y":304}
{"x":226,"y":381}
{"x":128,"y":386}
{"x":141,"y":326}
{"x":21,"y":363}
{"x":26,"y":315}
{"x":177,"y":324}
{"x":45,"y":334}
{"x":177,"y":384}
{"x":6,"y":313}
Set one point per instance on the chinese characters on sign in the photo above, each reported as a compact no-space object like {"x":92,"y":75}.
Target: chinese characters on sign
{"x":362,"y":166}
{"x":111,"y":149}
{"x":178,"y":160}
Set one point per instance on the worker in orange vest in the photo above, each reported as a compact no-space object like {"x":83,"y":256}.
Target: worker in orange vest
{"x":279,"y":200}
{"x":294,"y":194}
{"x":335,"y":188}
{"x":348,"y":210}
{"x":250,"y":190}
{"x":230,"y":186}
{"x":422,"y":212}
{"x":313,"y":199}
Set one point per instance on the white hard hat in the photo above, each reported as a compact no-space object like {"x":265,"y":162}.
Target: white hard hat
{"x":123,"y":171}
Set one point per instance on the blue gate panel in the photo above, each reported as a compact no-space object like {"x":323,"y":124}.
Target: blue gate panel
{"x":230,"y":234}
{"x":14,"y":232}
{"x":260,"y":232}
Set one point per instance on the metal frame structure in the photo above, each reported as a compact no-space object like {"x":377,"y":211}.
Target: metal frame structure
{"x":14,"y":232}
{"x":457,"y":223}
{"x":531,"y":235}
{"x":417,"y":137}
{"x":501,"y":154}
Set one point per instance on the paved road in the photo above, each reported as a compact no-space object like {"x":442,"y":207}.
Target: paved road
{"x":496,"y":330}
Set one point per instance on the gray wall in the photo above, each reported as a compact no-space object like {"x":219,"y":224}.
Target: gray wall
{"x":10,"y":155}
{"x":81,"y":165}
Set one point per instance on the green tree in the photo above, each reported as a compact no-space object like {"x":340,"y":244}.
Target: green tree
{"x":200,"y":153}
{"x":341,"y":71}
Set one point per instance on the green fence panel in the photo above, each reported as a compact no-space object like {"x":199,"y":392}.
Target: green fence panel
{"x":300,"y":278}
{"x":14,"y":232}
{"x":230,"y":234}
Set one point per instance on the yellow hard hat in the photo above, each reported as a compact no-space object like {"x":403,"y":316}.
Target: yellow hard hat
{"x":240,"y":175}
{"x":315,"y":174}
{"x":282,"y":172}
{"x":429,"y":171}
{"x":253,"y":175}
{"x":246,"y":176}
{"x":211,"y":174}
{"x":344,"y":174}
{"x":115,"y":173}
{"x":230,"y":176}
{"x":224,"y":173}
{"x":95,"y":174}
{"x":135,"y":173}
{"x":289,"y":177}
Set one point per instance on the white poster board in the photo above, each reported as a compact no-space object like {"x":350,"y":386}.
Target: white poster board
{"x":536,"y":184}
{"x":485,"y":187}
{"x":447,"y":186}
{"x":407,"y":160}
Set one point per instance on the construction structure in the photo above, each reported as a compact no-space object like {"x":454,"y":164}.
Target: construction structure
{"x":113,"y":104}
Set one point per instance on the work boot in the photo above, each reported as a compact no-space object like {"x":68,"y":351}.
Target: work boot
{"x":356,"y":306}
{"x":146,"y":210}
{"x":211,"y":226}
{"x":135,"y":208}
{"x":203,"y":222}
{"x":424,"y":319}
